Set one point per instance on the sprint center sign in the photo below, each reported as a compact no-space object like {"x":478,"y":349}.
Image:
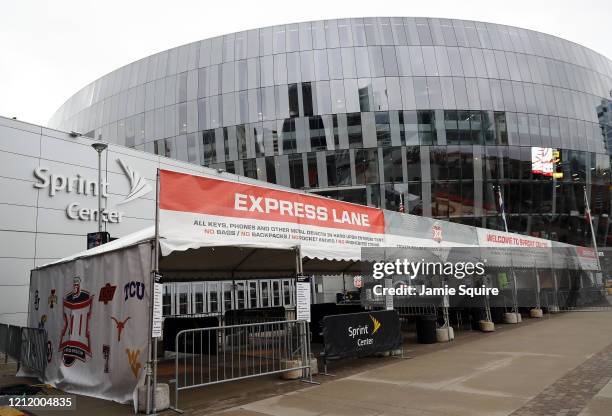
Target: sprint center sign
{"x":54,"y":183}
{"x":361,"y":334}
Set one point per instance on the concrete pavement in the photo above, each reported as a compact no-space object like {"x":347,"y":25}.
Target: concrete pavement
{"x":559,"y":366}
{"x":495,"y":374}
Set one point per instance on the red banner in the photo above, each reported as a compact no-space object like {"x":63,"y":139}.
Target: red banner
{"x":195,"y":194}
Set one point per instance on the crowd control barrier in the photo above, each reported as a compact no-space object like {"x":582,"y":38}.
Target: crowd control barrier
{"x":213,"y":355}
{"x":34,"y":349}
{"x":27,"y":346}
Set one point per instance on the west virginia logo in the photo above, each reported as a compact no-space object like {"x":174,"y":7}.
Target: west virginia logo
{"x":133,"y":360}
{"x":376,"y":324}
{"x":138,"y":185}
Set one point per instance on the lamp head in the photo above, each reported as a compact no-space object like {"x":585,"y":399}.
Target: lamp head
{"x":99,"y":147}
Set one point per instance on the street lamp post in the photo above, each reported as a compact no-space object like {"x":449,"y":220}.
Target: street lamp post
{"x":99,"y":147}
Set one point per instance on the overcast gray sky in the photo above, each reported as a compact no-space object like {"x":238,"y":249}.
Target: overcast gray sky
{"x":49,"y":49}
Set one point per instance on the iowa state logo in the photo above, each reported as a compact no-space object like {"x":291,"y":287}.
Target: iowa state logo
{"x":75,"y":343}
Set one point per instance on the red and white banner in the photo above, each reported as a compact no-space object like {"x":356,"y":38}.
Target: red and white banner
{"x":216,"y":212}
{"x":490,"y":238}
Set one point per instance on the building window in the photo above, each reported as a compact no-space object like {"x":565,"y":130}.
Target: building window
{"x":296,"y":171}
{"x":366,"y":166}
{"x":270,"y":169}
{"x":318,"y":141}
{"x":383,"y":130}
{"x":289,"y":141}
{"x":392,"y":162}
{"x":353,"y":122}
{"x":338,"y":168}
{"x":413,"y":160}
{"x":208,"y":147}
{"x":313,"y":173}
{"x":250,"y":168}
{"x":294,"y":105}
{"x":427,"y":127}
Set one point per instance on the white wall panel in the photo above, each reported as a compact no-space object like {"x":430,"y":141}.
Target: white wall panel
{"x":18,"y":191}
{"x":16,"y":244}
{"x":13,"y":271}
{"x":19,"y":141}
{"x":47,"y":247}
{"x":17,"y":218}
{"x":17,"y":166}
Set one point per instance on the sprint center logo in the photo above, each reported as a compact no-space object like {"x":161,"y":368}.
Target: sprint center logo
{"x":138,"y":185}
{"x":363,"y":334}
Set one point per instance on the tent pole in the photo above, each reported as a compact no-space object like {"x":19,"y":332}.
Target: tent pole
{"x":152,"y":359}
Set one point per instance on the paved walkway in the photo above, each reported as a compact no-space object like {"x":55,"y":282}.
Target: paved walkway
{"x":560,"y":366}
{"x":557,"y":366}
{"x":569,"y":395}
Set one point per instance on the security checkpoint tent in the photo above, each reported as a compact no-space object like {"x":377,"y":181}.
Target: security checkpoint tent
{"x":96,"y":304}
{"x":98,"y":342}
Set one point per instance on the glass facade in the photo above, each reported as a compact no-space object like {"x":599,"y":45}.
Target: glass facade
{"x":368,"y":109}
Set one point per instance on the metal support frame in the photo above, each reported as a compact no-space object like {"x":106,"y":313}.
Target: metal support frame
{"x":151,"y":366}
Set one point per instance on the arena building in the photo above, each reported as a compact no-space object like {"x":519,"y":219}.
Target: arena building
{"x":426,"y":113}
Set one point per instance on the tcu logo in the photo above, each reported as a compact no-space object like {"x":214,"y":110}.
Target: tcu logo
{"x":75,"y":339}
{"x":436,"y":232}
{"x":134,"y":289}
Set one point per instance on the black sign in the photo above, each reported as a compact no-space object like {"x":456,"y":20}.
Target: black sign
{"x":361,"y":334}
{"x":97,"y":239}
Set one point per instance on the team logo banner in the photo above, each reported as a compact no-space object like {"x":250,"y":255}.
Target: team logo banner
{"x":94,"y":310}
{"x":361,"y":334}
{"x":215,"y":210}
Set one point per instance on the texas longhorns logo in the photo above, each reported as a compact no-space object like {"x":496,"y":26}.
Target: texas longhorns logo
{"x":133,"y":360}
{"x":120,"y":326}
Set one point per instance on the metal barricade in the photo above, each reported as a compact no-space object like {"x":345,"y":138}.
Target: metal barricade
{"x":34,"y":349}
{"x":416,"y":309}
{"x":206,"y":356}
{"x":4,"y":338}
{"x":14,"y":342}
{"x":406,"y":312}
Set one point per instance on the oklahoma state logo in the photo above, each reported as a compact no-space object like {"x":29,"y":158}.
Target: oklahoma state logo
{"x":133,"y":360}
{"x":107,"y":293}
{"x":75,"y":343}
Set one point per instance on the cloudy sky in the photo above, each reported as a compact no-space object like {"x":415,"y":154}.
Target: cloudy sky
{"x":49,"y":49}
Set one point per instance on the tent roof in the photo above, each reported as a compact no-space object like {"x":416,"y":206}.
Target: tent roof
{"x":189,"y":255}
{"x":141,"y":236}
